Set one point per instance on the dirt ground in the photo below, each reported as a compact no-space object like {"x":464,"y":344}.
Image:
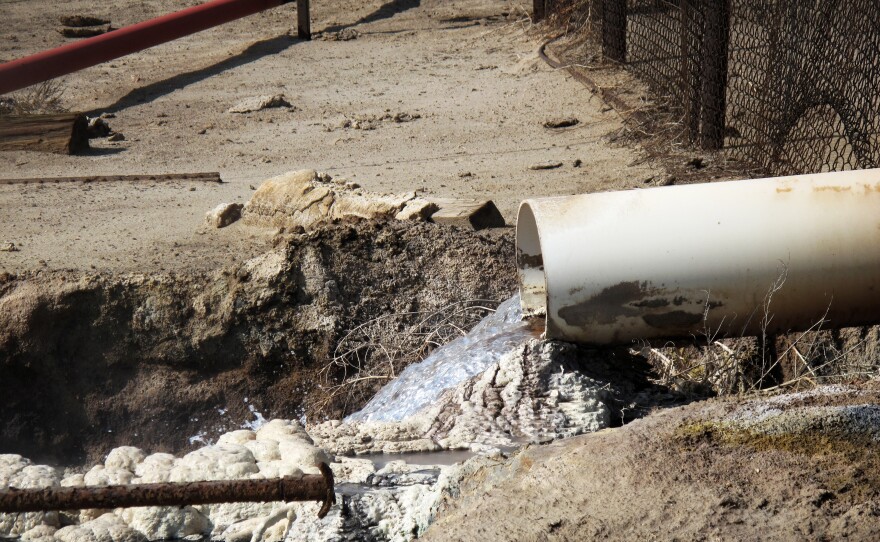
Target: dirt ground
{"x":676,"y":476}
{"x":469,"y":69}
{"x":92,"y":361}
{"x":124,"y":319}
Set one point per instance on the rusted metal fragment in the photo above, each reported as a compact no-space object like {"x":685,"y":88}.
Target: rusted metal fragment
{"x":308,"y":487}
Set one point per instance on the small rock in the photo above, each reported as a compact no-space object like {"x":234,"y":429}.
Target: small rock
{"x":8,"y":247}
{"x":97,"y":127}
{"x":79,"y":21}
{"x":346,"y":34}
{"x":223,"y":215}
{"x":405,"y":117}
{"x":545,"y":165}
{"x":116,"y":136}
{"x":83,"y":32}
{"x":563,"y":122}
{"x":259,"y":103}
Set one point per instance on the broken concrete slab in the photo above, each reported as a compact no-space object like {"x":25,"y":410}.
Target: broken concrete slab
{"x":472,"y":214}
{"x":417,"y":209}
{"x":302,"y":198}
{"x":223,"y":214}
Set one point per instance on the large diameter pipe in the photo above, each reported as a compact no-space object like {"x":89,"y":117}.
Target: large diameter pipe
{"x":736,"y":258}
{"x":72,"y":57}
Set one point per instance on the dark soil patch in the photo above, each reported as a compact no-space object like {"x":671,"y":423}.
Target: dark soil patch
{"x":92,"y":361}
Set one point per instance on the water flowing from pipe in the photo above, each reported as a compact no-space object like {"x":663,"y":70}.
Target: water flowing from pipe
{"x":422,"y":383}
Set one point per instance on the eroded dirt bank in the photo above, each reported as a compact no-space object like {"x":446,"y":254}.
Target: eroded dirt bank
{"x":802,"y":466}
{"x":93,"y":361}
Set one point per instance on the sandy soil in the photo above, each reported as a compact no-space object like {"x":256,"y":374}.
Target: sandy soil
{"x":470,"y":70}
{"x":679,"y":474}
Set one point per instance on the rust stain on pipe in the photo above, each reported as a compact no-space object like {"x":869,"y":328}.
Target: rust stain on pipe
{"x":729,"y":258}
{"x":308,"y":487}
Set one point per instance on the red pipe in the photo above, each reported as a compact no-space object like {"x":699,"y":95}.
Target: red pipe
{"x":72,"y":57}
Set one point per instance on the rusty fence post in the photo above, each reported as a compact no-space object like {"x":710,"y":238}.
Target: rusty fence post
{"x":716,"y":39}
{"x":614,"y":30}
{"x":308,"y":487}
{"x":303,"y":20}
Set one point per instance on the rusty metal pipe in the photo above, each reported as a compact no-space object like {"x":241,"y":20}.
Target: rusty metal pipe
{"x":721,"y":259}
{"x":308,"y":487}
{"x":76,"y":56}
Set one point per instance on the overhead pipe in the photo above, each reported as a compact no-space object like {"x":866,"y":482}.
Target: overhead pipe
{"x":741,"y":258}
{"x":76,"y":56}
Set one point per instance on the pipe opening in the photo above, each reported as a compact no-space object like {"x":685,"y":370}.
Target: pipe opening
{"x":530,"y":263}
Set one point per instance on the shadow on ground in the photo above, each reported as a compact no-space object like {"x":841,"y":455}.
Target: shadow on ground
{"x":167,"y":86}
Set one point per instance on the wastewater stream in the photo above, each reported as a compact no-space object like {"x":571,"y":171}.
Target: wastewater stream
{"x":421,"y":384}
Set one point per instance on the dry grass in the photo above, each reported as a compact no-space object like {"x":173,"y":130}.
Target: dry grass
{"x":377,"y":351}
{"x":767,"y":363}
{"x":40,"y":99}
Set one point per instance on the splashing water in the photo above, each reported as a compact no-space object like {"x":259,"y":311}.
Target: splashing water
{"x":422,"y":383}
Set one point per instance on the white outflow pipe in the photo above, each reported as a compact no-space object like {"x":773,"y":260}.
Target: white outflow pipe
{"x":719,"y":259}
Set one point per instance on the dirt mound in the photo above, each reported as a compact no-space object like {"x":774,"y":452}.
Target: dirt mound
{"x":92,"y":361}
{"x":717,"y":470}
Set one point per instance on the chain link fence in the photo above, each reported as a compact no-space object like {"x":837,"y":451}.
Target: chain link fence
{"x":792,"y":86}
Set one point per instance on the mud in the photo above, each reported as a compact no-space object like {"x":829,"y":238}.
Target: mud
{"x":93,"y":361}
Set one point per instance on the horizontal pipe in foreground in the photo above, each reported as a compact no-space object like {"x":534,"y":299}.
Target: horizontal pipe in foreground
{"x":308,"y":487}
{"x":720,"y":259}
{"x":76,"y":56}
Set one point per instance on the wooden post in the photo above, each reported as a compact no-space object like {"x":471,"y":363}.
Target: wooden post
{"x":614,"y":30}
{"x":303,"y":21}
{"x":63,"y":133}
{"x":716,"y":37}
{"x":538,"y":11}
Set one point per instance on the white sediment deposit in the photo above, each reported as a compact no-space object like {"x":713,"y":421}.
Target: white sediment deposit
{"x":530,"y":394}
{"x":392,"y":503}
{"x":495,"y":389}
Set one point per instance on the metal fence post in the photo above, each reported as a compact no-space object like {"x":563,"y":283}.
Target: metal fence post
{"x":538,"y":10}
{"x":716,"y":37}
{"x":614,"y":30}
{"x":690,"y":78}
{"x":303,"y":21}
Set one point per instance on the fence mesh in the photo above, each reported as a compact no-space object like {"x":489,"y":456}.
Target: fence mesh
{"x":790,"y":85}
